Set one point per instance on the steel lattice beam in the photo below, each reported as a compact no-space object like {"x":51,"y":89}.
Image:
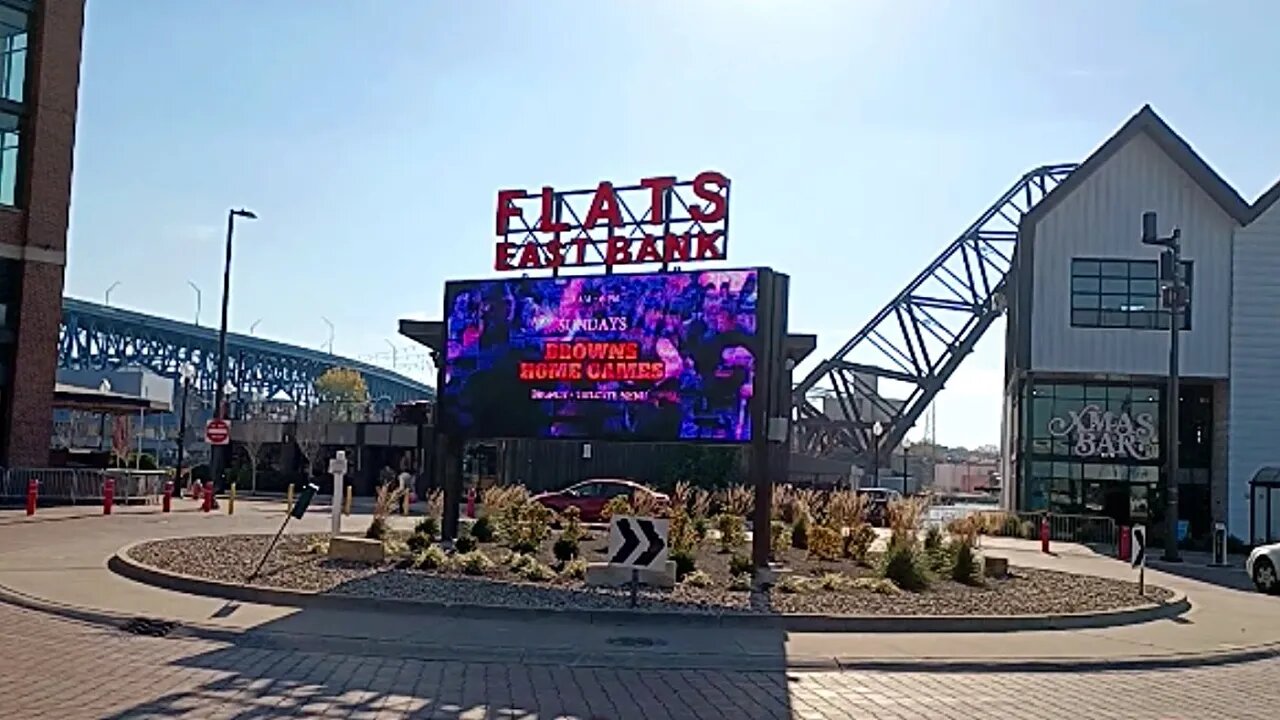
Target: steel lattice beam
{"x":99,"y":337}
{"x":921,"y":336}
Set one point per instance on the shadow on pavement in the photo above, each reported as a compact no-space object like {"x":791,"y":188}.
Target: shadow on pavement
{"x":1197,"y":568}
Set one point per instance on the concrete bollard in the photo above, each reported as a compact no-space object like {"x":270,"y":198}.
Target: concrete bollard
{"x":231,"y":500}
{"x":346,"y":502}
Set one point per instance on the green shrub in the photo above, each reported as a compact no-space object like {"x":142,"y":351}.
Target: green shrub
{"x":618,"y":505}
{"x":965,"y":566}
{"x":429,"y":527}
{"x":418,"y":542}
{"x":733,"y":531}
{"x":685,"y":563}
{"x":701,"y":526}
{"x":482,"y":529}
{"x":824,"y":543}
{"x":836,"y":582}
{"x":879,"y":586}
{"x":572,"y":520}
{"x":933,"y":538}
{"x":698,"y":579}
{"x":858,"y":542}
{"x":565,"y":549}
{"x":798,"y":585}
{"x":377,"y":529}
{"x":575,"y":569}
{"x":800,"y":533}
{"x":431,"y":557}
{"x":741,"y":565}
{"x":779,"y":538}
{"x":523,"y":526}
{"x":904,"y":564}
{"x":464,"y":543}
{"x":474,"y":563}
{"x":681,"y":535}
{"x":740,"y":582}
{"x":535,"y":571}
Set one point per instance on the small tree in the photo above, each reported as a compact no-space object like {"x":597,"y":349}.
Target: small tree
{"x":255,"y":432}
{"x":345,"y":390}
{"x":309,"y":434}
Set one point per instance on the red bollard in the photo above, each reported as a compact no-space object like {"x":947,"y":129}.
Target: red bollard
{"x":168,"y":496}
{"x":108,"y":495}
{"x":1124,"y":545}
{"x":33,"y":492}
{"x":471,"y":503}
{"x":1044,"y":534}
{"x":208,"y":497}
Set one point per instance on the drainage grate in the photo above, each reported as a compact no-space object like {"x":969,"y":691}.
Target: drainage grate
{"x":149,"y":627}
{"x":635,"y":642}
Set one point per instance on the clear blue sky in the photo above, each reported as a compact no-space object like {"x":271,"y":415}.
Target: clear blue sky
{"x":861,"y":137}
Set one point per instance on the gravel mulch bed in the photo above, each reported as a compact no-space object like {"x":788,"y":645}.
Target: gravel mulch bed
{"x":296,"y":564}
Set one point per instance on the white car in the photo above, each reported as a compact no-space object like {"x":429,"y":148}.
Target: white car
{"x":1263,"y":566}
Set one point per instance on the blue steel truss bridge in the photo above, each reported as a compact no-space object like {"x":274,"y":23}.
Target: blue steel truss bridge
{"x":99,"y":337}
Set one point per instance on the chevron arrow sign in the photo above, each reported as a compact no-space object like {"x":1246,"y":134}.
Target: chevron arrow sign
{"x":638,"y":542}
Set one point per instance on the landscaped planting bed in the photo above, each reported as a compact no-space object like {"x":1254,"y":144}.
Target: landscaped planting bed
{"x":831,"y":576}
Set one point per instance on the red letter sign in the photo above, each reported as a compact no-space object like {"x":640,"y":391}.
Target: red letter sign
{"x":603,"y":205}
{"x":702,"y":188}
{"x":507,"y":210}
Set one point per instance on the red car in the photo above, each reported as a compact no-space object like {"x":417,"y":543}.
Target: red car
{"x":590,"y":496}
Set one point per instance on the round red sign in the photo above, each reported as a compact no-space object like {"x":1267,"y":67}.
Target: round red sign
{"x":217,"y":432}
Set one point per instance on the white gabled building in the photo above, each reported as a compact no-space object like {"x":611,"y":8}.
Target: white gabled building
{"x":1087,"y":348}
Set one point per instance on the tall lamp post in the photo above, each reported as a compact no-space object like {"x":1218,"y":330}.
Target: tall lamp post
{"x":106,"y":297}
{"x":217,"y":457}
{"x":197,"y":289}
{"x":906,"y":448}
{"x":1173,"y":294}
{"x":187,"y":373}
{"x":876,"y":430}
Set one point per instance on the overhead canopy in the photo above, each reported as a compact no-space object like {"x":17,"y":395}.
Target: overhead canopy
{"x":424,"y":332}
{"x":74,"y":397}
{"x":1266,"y":477}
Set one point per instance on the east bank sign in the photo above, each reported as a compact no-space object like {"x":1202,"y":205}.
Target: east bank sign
{"x":660,"y":220}
{"x":1097,"y":434}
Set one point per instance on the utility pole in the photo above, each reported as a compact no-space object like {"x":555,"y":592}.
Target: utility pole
{"x":217,"y":454}
{"x":1173,"y":294}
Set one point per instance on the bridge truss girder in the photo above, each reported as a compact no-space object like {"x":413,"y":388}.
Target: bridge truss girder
{"x":920,"y":337}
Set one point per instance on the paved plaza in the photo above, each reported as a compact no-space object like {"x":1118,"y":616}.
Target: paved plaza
{"x":68,"y":654}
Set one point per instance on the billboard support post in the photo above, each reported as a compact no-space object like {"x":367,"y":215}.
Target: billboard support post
{"x":773,"y":395}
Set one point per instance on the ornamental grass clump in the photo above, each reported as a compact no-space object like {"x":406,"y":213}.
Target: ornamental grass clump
{"x":904,"y":561}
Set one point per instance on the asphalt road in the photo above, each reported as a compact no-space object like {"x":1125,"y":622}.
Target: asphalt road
{"x":56,"y":668}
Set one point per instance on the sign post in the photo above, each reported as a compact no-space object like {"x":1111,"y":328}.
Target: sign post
{"x":639,"y":543}
{"x":338,"y":468}
{"x":1138,"y":544}
{"x":297,"y":511}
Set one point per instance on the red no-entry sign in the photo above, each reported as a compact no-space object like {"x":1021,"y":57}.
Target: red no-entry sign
{"x":217,"y":432}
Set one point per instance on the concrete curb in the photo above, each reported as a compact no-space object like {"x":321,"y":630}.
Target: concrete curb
{"x":657,"y":658}
{"x":123,"y":565}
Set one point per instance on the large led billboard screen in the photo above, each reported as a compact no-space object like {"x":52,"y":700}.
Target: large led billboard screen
{"x":655,"y":358}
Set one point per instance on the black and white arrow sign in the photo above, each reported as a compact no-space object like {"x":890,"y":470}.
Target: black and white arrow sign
{"x":638,"y":542}
{"x":1138,"y":546}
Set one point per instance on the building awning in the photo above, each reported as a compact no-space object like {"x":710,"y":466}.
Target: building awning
{"x":74,"y":397}
{"x":1266,"y":477}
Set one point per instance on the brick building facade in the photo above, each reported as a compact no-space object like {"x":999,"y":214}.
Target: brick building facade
{"x":40,"y":44}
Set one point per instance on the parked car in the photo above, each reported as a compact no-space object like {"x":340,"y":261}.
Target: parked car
{"x":590,"y":496}
{"x":1262,"y":567}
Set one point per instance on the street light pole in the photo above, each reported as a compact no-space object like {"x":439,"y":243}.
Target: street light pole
{"x":107,"y":296}
{"x":1174,"y":297}
{"x":906,"y":447}
{"x":216,"y":456}
{"x":187,"y":372}
{"x":197,"y":289}
{"x":331,"y":333}
{"x":876,"y":430}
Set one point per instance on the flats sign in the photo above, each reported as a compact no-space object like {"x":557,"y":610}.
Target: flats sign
{"x":1102,"y":434}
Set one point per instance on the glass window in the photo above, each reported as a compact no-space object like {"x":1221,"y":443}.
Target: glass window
{"x":1121,"y":294}
{"x":8,"y":159}
{"x":13,"y":53}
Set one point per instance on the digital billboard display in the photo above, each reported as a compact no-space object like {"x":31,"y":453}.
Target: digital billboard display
{"x":654,"y":358}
